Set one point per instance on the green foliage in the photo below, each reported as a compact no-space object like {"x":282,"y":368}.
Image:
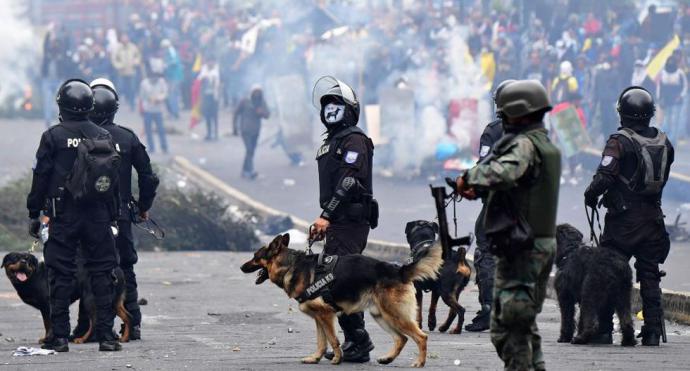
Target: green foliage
{"x":192,"y":220}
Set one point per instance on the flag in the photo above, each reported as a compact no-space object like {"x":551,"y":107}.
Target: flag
{"x":657,"y":63}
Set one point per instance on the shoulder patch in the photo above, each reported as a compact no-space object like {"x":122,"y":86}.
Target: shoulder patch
{"x":606,"y":160}
{"x":351,"y":157}
{"x":484,"y":151}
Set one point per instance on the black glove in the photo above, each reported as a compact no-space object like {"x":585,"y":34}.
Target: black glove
{"x":34,"y":228}
{"x":591,"y":200}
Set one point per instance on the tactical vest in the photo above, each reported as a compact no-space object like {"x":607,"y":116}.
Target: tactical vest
{"x":537,"y":195}
{"x":652,"y":163}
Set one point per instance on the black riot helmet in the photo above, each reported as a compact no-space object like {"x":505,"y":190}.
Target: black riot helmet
{"x":636,"y":105}
{"x":336,"y":101}
{"x":75,"y":98}
{"x":106,"y":101}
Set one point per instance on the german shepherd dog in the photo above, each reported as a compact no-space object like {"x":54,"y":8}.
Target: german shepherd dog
{"x":30,"y":278}
{"x":360,"y":283}
{"x":452,"y":279}
{"x":598,"y":279}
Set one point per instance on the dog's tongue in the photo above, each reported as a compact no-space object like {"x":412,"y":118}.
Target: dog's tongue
{"x":21,"y":276}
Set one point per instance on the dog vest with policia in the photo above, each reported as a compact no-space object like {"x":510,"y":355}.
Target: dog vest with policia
{"x":324,"y":277}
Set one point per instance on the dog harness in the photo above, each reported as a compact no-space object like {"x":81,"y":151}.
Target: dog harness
{"x":324,"y":277}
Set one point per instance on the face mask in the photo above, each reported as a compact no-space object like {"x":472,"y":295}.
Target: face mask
{"x":333,"y":113}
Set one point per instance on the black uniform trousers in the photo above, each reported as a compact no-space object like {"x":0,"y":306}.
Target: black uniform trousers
{"x":484,"y":263}
{"x":128,"y":257}
{"x":345,"y":239}
{"x":90,"y":231}
{"x":640,"y":232}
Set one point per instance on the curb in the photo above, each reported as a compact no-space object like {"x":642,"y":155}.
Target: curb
{"x":379,"y":249}
{"x":676,"y":304}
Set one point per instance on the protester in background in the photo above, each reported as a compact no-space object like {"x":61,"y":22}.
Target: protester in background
{"x":152,"y":95}
{"x":52,"y":72}
{"x":174,"y":74}
{"x":564,"y":84}
{"x":210,"y":96}
{"x":249,"y":112}
{"x":671,"y":89}
{"x":126,"y":60}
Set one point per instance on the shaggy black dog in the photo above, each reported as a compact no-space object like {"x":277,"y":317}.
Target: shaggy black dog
{"x":598,"y":279}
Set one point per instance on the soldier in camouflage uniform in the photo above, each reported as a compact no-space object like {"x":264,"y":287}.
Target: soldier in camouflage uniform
{"x":525,"y":167}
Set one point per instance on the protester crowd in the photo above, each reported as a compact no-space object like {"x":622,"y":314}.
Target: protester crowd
{"x":210,"y":54}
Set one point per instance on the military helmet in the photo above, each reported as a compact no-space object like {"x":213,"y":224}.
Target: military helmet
{"x":75,"y":96}
{"x":105,"y":97}
{"x":500,"y":87}
{"x":636,"y":103}
{"x":522,"y":98}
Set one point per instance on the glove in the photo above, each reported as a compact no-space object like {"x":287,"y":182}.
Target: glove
{"x":34,"y":228}
{"x":591,"y":200}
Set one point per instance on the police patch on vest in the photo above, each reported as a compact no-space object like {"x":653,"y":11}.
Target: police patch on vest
{"x":351,"y":157}
{"x":103,"y":184}
{"x":318,"y":285}
{"x":606,"y":161}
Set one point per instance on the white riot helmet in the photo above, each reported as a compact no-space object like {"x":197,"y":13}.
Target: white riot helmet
{"x":336,"y":102}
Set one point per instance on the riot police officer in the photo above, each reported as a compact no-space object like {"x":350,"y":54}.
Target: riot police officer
{"x":74,"y":223}
{"x":345,"y":182}
{"x":134,"y":155}
{"x":522,"y":178}
{"x":484,"y":263}
{"x":634,"y":169}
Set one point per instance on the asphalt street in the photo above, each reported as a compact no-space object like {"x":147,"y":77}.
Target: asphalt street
{"x":295,"y":189}
{"x":203,"y":313}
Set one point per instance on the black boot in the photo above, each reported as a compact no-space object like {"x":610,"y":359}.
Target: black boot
{"x":602,"y":338}
{"x":57,"y":344}
{"x":109,"y":346}
{"x":345,"y":325}
{"x":362,"y":345}
{"x":134,"y":332}
{"x":650,"y":335}
{"x":482,"y":321}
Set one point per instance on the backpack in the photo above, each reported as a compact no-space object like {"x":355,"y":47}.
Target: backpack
{"x":652,"y":163}
{"x":95,"y":174}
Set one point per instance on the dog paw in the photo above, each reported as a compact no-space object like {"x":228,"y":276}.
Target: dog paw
{"x":418,"y":364}
{"x":336,"y":360}
{"x":443,"y":328}
{"x":311,"y":360}
{"x":384,"y":360}
{"x":579,"y":340}
{"x":432,"y":323}
{"x":457,"y":330}
{"x":79,"y":341}
{"x":564,"y":339}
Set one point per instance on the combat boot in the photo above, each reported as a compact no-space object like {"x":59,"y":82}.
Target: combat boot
{"x":482,"y":321}
{"x":57,"y":344}
{"x":603,"y":338}
{"x":134,"y":332}
{"x":650,"y":335}
{"x":359,"y":351}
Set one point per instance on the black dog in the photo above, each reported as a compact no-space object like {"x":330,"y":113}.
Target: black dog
{"x":452,"y":279}
{"x":30,"y":278}
{"x":599,"y":280}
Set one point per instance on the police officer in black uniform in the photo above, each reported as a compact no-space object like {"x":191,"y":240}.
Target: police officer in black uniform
{"x":633,"y":171}
{"x":73,"y":224}
{"x":345,"y":180}
{"x":133,"y":155}
{"x":484,"y":263}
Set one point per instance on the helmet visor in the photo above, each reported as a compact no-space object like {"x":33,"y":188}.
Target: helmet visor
{"x":329,"y":85}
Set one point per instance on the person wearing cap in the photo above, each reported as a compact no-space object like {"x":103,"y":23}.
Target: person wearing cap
{"x":521,"y":178}
{"x":133,"y":155}
{"x":73,"y":224}
{"x":349,"y":210}
{"x":634,"y":168}
{"x":484,"y":262}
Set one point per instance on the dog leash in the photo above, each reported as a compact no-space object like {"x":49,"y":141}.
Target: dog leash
{"x":310,"y":240}
{"x":590,"y":220}
{"x":33,"y":247}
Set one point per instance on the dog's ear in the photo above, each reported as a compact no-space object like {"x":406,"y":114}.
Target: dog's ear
{"x":436,"y":227}
{"x":285,"y":240}
{"x":5,"y":260}
{"x":33,"y":261}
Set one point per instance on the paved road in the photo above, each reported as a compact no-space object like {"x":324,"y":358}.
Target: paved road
{"x":204,"y":314}
{"x":294,"y":189}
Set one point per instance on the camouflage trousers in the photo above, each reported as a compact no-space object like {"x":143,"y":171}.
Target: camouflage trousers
{"x":519,"y":292}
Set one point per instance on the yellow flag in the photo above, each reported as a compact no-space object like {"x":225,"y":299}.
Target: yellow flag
{"x":657,"y":63}
{"x":197,"y":64}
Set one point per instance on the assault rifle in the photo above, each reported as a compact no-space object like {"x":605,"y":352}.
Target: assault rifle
{"x":442,"y":199}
